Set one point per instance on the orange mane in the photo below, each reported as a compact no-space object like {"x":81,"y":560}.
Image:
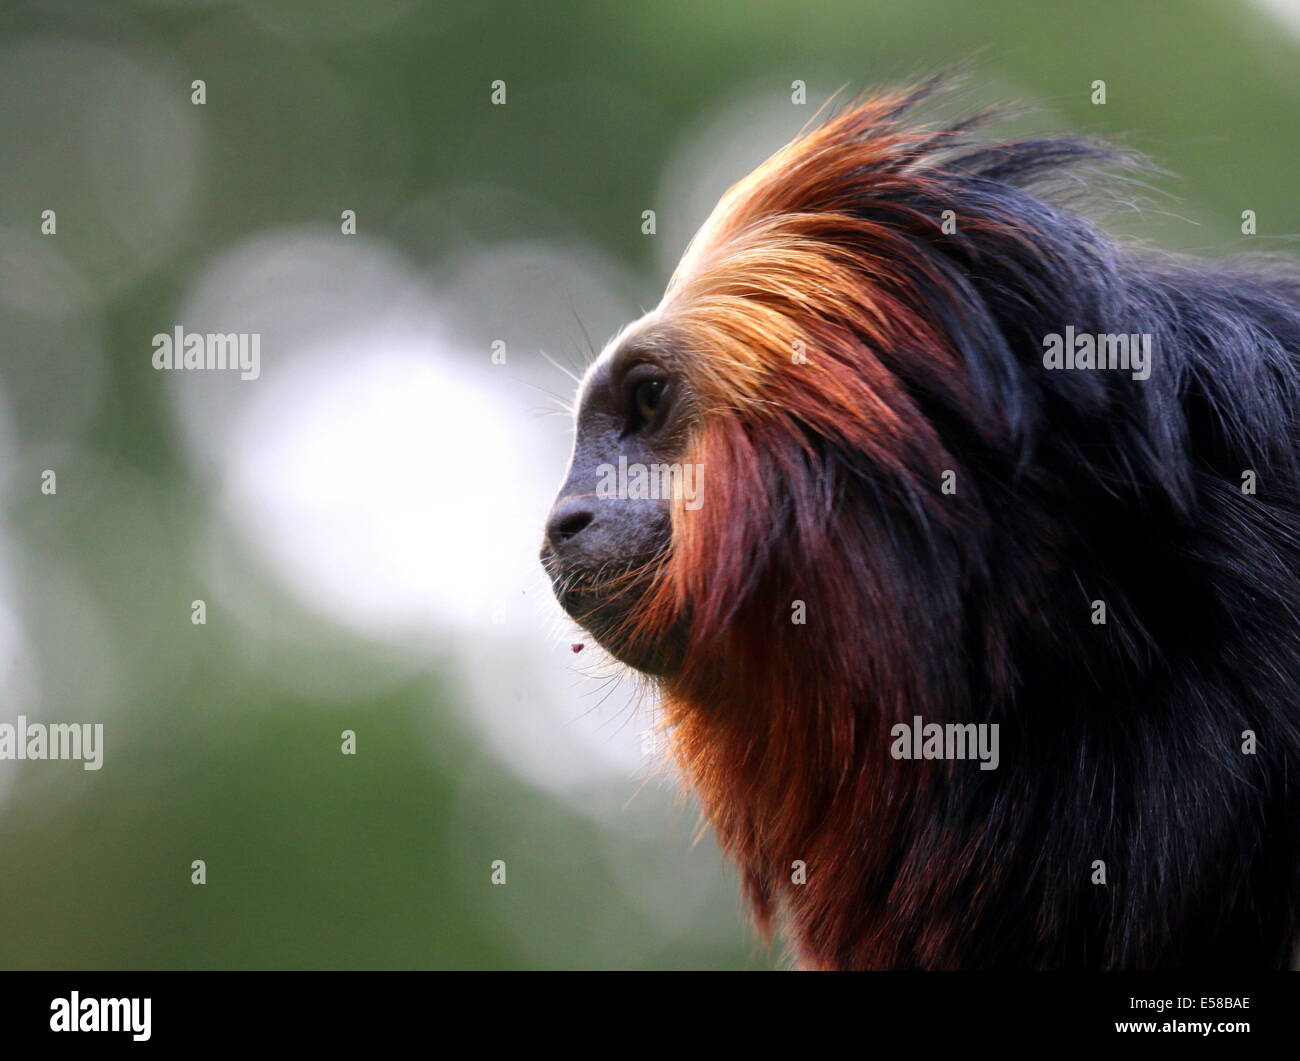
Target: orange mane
{"x":794,"y":307}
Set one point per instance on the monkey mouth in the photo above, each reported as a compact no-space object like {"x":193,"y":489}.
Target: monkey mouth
{"x":594,"y":599}
{"x":605,"y":604}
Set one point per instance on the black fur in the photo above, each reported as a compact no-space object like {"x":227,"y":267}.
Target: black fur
{"x":1121,"y":742}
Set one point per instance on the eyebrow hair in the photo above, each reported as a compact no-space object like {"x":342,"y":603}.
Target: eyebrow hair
{"x":655,"y":345}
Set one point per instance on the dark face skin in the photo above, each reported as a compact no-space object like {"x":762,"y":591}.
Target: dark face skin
{"x":602,"y":552}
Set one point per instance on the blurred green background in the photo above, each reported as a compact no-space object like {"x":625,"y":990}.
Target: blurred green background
{"x":361,"y":520}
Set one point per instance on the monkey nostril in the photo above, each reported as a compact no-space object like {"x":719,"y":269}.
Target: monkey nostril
{"x":567,"y":522}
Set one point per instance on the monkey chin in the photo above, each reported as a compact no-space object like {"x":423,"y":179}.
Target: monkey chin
{"x":658,"y":660}
{"x":608,"y":619}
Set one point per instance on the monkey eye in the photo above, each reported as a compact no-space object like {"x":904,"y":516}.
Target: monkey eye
{"x":647,"y":400}
{"x":647,"y":396}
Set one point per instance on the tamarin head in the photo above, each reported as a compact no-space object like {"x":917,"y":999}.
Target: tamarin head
{"x":727,"y":442}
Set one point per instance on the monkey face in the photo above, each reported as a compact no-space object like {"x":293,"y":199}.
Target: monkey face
{"x":609,"y":533}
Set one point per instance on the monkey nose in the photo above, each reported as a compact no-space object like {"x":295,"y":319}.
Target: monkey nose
{"x":569,"y":517}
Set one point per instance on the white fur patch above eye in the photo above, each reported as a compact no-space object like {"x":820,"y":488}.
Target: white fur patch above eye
{"x":628,"y":332}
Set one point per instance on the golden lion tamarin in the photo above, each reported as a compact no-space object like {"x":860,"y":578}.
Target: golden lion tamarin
{"x":920,"y":519}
